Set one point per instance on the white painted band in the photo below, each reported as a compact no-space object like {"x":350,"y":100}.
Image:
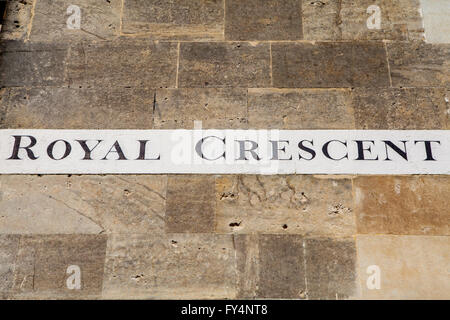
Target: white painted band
{"x":24,"y":151}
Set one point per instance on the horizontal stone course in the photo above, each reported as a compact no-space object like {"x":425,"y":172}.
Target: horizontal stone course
{"x":123,"y":63}
{"x":43,"y":64}
{"x":284,"y":204}
{"x":99,"y":20}
{"x":400,"y":109}
{"x":402,"y":205}
{"x":78,"y":108}
{"x":82,"y":204}
{"x":263,"y":20}
{"x":410,"y":267}
{"x":37,"y":266}
{"x":224,"y":64}
{"x":297,"y":109}
{"x":194,"y":19}
{"x":329,"y":65}
{"x":216,"y":108}
{"x":418,"y":64}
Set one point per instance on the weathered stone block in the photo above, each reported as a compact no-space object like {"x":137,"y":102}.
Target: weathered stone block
{"x":411,"y":267}
{"x":401,"y":109}
{"x":321,"y":20}
{"x":187,"y":20}
{"x":347,"y":20}
{"x":190,"y":204}
{"x":82,"y":204}
{"x":16,"y":20}
{"x":42,"y":262}
{"x":263,"y":20}
{"x":124,"y":63}
{"x":400,"y":20}
{"x":9,"y":247}
{"x":170,"y":267}
{"x":100,"y":20}
{"x":281,"y":267}
{"x":329,"y":64}
{"x":74,"y":108}
{"x":284,"y":204}
{"x":217,"y":108}
{"x":224,"y":64}
{"x":300,"y":109}
{"x":29,"y":64}
{"x":331,"y":268}
{"x":417,"y":64}
{"x":403,"y":205}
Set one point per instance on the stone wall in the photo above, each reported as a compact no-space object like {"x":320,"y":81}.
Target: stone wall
{"x":232,"y":64}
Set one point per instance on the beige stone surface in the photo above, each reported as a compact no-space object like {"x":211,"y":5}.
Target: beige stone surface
{"x":418,"y":64}
{"x":123,"y":63}
{"x":75,"y":108}
{"x":400,"y":20}
{"x":300,"y":109}
{"x":331,"y":268}
{"x":263,"y":20}
{"x":329,"y":65}
{"x":41,"y":264}
{"x":172,"y":19}
{"x":9,"y":247}
{"x":43,"y":64}
{"x":416,"y":205}
{"x":400,"y":109}
{"x":412,"y":267}
{"x":224,"y":64}
{"x":216,"y":108}
{"x":284,"y":205}
{"x":82,"y":204}
{"x":190,"y":204}
{"x":176,"y":266}
{"x":100,"y":20}
{"x":347,"y":20}
{"x":321,"y":20}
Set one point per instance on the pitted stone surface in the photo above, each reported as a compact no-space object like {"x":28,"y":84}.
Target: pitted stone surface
{"x":170,"y":267}
{"x":98,"y":20}
{"x":329,"y":65}
{"x":224,"y":64}
{"x":187,"y":20}
{"x":125,"y":63}
{"x":402,"y":205}
{"x":284,"y":204}
{"x":41,"y":264}
{"x":400,"y":109}
{"x":216,"y":108}
{"x":300,"y":109}
{"x":263,"y":20}
{"x":82,"y":204}
{"x":78,"y":108}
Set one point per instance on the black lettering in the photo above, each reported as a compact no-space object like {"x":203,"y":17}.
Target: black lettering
{"x":252,"y":149}
{"x":51,"y":146}
{"x":87,"y":151}
{"x":326,"y":152}
{"x":199,"y":148}
{"x":402,"y":153}
{"x":17,"y":147}
{"x":116,"y":149}
{"x":142,"y":147}
{"x":276,"y":149}
{"x":428,"y":149}
{"x":309,"y":150}
{"x":362,"y":149}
